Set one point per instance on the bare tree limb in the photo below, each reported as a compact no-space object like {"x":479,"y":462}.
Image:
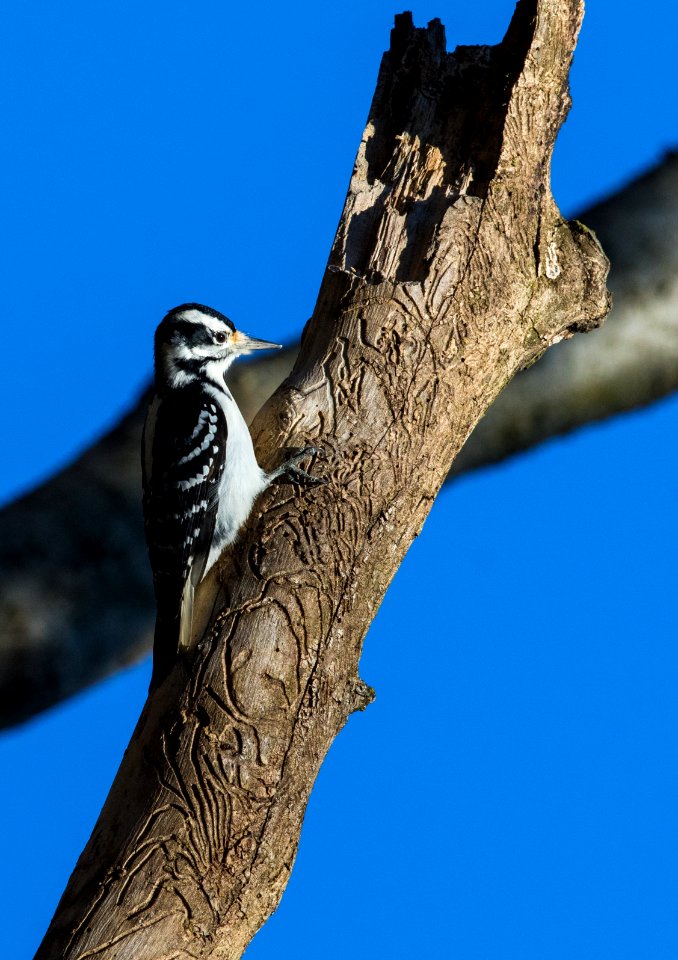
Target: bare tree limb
{"x":76,"y":541}
{"x":629,"y":362}
{"x":451,"y":270}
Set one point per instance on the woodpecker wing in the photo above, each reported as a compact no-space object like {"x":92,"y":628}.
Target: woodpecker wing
{"x":184,"y":454}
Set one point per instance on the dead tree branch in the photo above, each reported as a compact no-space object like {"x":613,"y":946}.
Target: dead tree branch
{"x":451,"y":270}
{"x":77,"y":541}
{"x":631,"y":360}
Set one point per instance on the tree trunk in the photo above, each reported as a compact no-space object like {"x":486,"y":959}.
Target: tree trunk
{"x":77,"y":540}
{"x":451,"y":270}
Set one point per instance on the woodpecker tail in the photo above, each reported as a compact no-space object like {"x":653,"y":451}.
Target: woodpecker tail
{"x":173,"y":625}
{"x":163,"y":658}
{"x":186,"y":615}
{"x":174,"y":620}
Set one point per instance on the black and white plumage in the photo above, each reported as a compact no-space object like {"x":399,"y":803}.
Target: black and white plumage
{"x":200,"y":473}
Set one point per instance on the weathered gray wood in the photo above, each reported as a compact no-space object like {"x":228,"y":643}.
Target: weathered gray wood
{"x":451,"y":270}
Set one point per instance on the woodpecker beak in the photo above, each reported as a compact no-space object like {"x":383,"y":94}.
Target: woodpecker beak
{"x":244,"y":344}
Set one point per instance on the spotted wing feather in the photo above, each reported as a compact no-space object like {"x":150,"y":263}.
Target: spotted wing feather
{"x":184,"y":455}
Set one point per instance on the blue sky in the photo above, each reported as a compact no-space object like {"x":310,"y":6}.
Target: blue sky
{"x":512,"y":792}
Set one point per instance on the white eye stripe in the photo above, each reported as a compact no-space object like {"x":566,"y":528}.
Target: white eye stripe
{"x":205,"y":320}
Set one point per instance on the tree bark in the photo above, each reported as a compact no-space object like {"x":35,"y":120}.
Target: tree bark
{"x":631,"y":360}
{"x":451,"y":270}
{"x":77,"y":540}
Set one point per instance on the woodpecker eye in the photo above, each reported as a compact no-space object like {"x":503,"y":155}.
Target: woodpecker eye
{"x":220,"y":337}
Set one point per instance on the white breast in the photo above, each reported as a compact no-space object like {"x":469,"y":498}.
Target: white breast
{"x":241,"y":482}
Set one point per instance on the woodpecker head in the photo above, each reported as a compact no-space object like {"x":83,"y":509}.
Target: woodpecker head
{"x":195,"y":342}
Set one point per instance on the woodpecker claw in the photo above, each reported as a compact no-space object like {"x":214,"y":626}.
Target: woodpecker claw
{"x":307,"y":452}
{"x":295,"y":473}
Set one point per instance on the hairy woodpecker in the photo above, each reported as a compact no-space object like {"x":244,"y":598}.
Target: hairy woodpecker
{"x":200,"y":473}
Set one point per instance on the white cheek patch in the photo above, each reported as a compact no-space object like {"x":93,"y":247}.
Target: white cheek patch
{"x":206,"y":351}
{"x":215,"y":366}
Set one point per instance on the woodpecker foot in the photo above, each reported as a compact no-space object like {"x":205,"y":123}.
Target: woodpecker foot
{"x":294,"y":473}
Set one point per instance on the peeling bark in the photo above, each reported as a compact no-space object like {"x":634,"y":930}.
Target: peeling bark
{"x":451,"y":270}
